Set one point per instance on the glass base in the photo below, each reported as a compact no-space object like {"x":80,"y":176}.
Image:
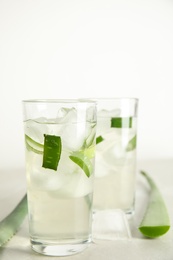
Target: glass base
{"x":129,"y":213}
{"x":53,"y":249}
{"x":110,"y":225}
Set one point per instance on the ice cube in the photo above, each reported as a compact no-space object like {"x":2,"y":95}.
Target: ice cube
{"x":110,"y":152}
{"x":78,"y":185}
{"x":36,"y":129}
{"x":104,"y":120}
{"x":46,"y":179}
{"x":65,"y":115}
{"x":109,"y":113}
{"x":72,"y":130}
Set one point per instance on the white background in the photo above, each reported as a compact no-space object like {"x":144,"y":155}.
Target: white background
{"x":87,"y":48}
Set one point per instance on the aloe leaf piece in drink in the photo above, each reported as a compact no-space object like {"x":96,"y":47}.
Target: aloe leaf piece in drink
{"x":99,"y":139}
{"x":34,"y":146}
{"x":121,"y":122}
{"x":131,"y":144}
{"x":83,"y":162}
{"x":52,"y":151}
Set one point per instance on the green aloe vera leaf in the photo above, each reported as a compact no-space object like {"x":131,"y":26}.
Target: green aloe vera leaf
{"x":90,"y":139}
{"x":156,"y":220}
{"x":89,"y":152}
{"x":131,"y":144}
{"x":10,"y":225}
{"x":83,"y":162}
{"x":99,"y":139}
{"x":52,"y":151}
{"x":33,"y":145}
{"x":121,"y":122}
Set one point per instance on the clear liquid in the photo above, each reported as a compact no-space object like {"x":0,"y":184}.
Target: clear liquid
{"x":117,"y":189}
{"x":58,"y":219}
{"x":59,"y":201}
{"x":115,"y":169}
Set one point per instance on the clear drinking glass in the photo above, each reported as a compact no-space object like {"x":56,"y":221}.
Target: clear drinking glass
{"x":60,"y":155}
{"x":115,"y":165}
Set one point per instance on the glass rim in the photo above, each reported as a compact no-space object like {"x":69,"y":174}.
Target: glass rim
{"x":63,"y":100}
{"x":115,"y":98}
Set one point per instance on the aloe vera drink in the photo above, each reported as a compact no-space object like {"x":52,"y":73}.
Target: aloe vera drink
{"x":115,"y":165}
{"x":59,"y":169}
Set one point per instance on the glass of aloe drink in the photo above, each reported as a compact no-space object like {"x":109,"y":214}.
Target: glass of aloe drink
{"x":60,"y":155}
{"x":115,"y":164}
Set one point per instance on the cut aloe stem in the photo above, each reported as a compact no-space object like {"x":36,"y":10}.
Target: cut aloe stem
{"x":121,"y":122}
{"x":10,"y":225}
{"x":83,"y":162}
{"x":33,"y":145}
{"x":156,"y":220}
{"x":52,"y":151}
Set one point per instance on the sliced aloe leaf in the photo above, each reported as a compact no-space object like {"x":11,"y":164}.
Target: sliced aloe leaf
{"x":33,"y":145}
{"x":83,"y":162}
{"x":99,"y":139}
{"x":121,"y":122}
{"x":10,"y":225}
{"x":131,"y":144}
{"x":52,"y":151}
{"x":156,"y":220}
{"x":89,"y":152}
{"x":89,"y":141}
